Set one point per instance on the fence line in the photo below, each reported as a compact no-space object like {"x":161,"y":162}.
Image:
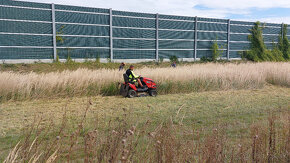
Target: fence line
{"x":107,"y":33}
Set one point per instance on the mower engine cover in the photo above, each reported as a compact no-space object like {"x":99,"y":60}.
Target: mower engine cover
{"x":149,"y":82}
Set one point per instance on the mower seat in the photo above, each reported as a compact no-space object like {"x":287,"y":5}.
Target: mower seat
{"x":126,"y":79}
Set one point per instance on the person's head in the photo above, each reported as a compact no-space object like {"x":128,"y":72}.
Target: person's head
{"x":131,"y":67}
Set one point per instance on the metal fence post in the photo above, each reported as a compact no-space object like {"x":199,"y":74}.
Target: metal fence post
{"x":53,"y":30}
{"x":228,"y":40}
{"x":195,"y":39}
{"x":157,"y":37}
{"x":111,"y":36}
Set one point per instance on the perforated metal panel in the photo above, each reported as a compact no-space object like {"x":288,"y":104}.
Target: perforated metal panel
{"x":81,"y":18}
{"x":239,"y":46}
{"x":212,"y":27}
{"x":26,"y":53}
{"x":134,"y":14}
{"x":83,"y":53}
{"x":208,"y":53}
{"x":84,"y":9}
{"x":208,"y":44}
{"x":134,"y":44}
{"x":133,"y":22}
{"x":242,"y":22}
{"x":213,"y":20}
{"x":239,"y":37}
{"x":178,"y":53}
{"x":165,"y":24}
{"x":240,"y":29}
{"x":268,"y":30}
{"x":211,"y":36}
{"x":25,"y":27}
{"x":164,"y":34}
{"x":24,"y":14}
{"x":69,"y":29}
{"x":165,"y":44}
{"x":25,"y":4}
{"x":25,"y":40}
{"x":134,"y":33}
{"x":134,"y":54}
{"x":235,"y":54}
{"x":83,"y":42}
{"x":86,"y":33}
{"x":177,"y":17}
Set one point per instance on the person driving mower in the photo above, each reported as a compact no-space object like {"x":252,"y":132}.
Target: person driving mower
{"x":132,"y":77}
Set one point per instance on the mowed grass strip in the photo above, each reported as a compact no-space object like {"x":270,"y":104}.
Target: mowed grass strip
{"x":202,"y":109}
{"x":236,"y":110}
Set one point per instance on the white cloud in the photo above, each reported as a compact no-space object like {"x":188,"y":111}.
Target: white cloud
{"x":274,"y":20}
{"x":245,"y":4}
{"x":217,"y":8}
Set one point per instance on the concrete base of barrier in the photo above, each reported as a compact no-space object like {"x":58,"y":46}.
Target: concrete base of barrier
{"x":102,"y":60}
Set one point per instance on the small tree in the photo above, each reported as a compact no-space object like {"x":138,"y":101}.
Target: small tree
{"x":98,"y":60}
{"x":258,"y":51}
{"x":68,"y":58}
{"x":216,"y":51}
{"x":59,"y":39}
{"x":283,"y":43}
{"x":161,"y":59}
{"x":276,"y":53}
{"x":257,"y":46}
{"x":173,"y":59}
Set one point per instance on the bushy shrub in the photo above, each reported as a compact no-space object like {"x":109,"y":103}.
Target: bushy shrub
{"x":173,"y":59}
{"x":283,"y":43}
{"x":258,"y":51}
{"x":98,"y":60}
{"x":161,"y":59}
{"x":205,"y":59}
{"x":216,"y":51}
{"x":276,"y":54}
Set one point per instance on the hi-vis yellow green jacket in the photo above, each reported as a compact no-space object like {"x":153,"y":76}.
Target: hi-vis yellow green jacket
{"x":131,"y":75}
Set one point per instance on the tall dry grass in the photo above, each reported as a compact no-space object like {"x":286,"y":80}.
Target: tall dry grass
{"x":199,"y":77}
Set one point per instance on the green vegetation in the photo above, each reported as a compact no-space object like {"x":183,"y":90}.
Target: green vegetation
{"x":173,"y":59}
{"x":283,"y":44}
{"x":216,"y":51}
{"x":221,"y":126}
{"x":258,"y":51}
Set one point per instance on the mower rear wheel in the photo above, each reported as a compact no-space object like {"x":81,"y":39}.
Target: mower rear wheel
{"x":132,"y":93}
{"x":153,"y":93}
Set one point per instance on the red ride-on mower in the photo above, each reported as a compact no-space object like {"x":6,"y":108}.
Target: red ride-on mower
{"x":129,"y":89}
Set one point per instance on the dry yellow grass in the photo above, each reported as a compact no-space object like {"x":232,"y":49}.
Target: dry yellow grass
{"x":91,"y":82}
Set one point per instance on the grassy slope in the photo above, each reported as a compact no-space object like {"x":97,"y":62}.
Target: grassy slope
{"x":205,"y":110}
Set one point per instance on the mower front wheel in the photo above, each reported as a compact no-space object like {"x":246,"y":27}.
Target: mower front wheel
{"x":132,"y":93}
{"x":153,"y":93}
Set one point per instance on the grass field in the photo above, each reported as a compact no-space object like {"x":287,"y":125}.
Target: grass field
{"x":168,"y":128}
{"x":210,"y":112}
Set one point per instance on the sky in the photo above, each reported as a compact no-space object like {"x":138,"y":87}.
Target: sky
{"x":272,"y":11}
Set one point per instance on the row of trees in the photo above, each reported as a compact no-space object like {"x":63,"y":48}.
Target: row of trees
{"x":259,"y":52}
